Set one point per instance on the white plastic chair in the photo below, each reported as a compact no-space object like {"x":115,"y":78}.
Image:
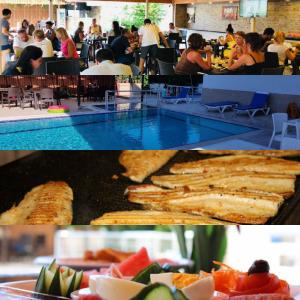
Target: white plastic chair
{"x":46,"y":97}
{"x":27,"y":97}
{"x":278,"y":120}
{"x":13,"y":95}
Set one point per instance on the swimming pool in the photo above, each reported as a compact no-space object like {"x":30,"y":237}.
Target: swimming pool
{"x":143,"y":129}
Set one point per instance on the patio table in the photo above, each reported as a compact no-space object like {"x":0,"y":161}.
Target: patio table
{"x":94,"y":43}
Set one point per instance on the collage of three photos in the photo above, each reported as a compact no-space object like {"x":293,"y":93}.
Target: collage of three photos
{"x":149,"y":150}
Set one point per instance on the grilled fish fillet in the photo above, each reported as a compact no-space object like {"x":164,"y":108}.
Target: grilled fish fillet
{"x":239,"y":163}
{"x":49,"y":203}
{"x":240,"y":206}
{"x":274,"y":153}
{"x":267,"y":182}
{"x":140,"y":164}
{"x":142,"y":217}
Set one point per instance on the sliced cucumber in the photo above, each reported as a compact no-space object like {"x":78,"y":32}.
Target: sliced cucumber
{"x":144,"y":275}
{"x":58,"y":281}
{"x":40,"y":286}
{"x":52,"y":282}
{"x":155,"y":291}
{"x":67,"y":280}
{"x":78,"y":279}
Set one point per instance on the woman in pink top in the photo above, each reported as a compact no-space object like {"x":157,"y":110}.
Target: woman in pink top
{"x":67,"y":47}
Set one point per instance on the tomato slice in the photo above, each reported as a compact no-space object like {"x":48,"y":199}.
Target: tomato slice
{"x":235,"y":283}
{"x":89,"y":297}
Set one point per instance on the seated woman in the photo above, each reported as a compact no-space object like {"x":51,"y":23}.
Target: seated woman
{"x":116,"y":29}
{"x":251,"y":62}
{"x":239,"y":48}
{"x":229,"y":38}
{"x":30,"y":60}
{"x":79,"y":33}
{"x":25,"y":25}
{"x":95,"y":29}
{"x":283,"y":49}
{"x":135,"y":34}
{"x":191,"y":61}
{"x":228,"y":42}
{"x":68,"y":47}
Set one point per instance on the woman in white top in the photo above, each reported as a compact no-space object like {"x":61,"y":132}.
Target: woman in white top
{"x":282,"y":48}
{"x":43,"y":43}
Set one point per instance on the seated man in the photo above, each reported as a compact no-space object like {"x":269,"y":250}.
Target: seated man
{"x":21,"y":41}
{"x":106,"y":65}
{"x":42,"y":42}
{"x":267,"y":37}
{"x":122,"y":51}
{"x":173,"y":28}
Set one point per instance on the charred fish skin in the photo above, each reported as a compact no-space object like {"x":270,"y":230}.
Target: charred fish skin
{"x":228,"y":163}
{"x":152,"y":217}
{"x":277,"y":183}
{"x":234,"y":206}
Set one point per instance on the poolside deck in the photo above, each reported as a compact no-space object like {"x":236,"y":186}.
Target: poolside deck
{"x":260,"y":137}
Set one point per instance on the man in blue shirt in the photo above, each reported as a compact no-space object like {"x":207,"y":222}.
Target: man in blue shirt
{"x":120,"y":46}
{"x":4,"y":38}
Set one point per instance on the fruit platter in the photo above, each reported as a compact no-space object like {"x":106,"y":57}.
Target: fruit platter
{"x":140,"y":278}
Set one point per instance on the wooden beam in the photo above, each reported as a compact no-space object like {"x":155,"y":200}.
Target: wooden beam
{"x":132,"y":1}
{"x":204,"y":1}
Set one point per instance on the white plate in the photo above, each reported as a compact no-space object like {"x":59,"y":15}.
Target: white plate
{"x":295,"y":292}
{"x":75,"y":295}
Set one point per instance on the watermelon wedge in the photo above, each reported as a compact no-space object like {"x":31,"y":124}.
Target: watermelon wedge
{"x":135,"y":263}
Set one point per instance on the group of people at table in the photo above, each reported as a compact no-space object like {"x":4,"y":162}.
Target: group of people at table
{"x":244,"y":53}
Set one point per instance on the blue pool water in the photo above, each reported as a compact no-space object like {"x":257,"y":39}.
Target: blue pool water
{"x":143,"y":129}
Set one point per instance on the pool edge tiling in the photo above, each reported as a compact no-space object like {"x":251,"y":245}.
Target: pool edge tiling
{"x":152,"y":128}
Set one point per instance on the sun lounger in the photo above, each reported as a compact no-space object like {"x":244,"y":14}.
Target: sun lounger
{"x":221,"y":106}
{"x":259,"y":103}
{"x":183,"y":96}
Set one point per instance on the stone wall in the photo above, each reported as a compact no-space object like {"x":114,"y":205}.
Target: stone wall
{"x":282,"y":15}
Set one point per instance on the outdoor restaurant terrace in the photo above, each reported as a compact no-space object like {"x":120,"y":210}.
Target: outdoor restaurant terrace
{"x":190,"y":37}
{"x":148,"y":112}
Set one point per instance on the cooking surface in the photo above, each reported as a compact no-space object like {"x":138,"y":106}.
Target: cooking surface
{"x":90,"y":175}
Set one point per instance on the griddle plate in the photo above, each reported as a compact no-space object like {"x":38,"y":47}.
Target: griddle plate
{"x":90,"y":175}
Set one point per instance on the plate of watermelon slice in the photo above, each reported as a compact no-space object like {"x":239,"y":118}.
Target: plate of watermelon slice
{"x":140,"y":278}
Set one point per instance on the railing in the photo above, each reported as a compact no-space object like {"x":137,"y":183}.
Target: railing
{"x":112,"y":97}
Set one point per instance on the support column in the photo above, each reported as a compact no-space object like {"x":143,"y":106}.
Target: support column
{"x":252,"y":24}
{"x":147,"y":9}
{"x":174,"y":12}
{"x":50,"y":10}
